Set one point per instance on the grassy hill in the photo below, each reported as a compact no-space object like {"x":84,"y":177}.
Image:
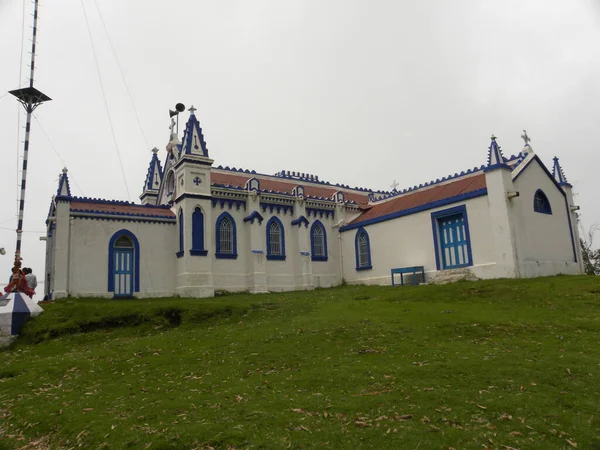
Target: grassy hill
{"x":496,"y":364}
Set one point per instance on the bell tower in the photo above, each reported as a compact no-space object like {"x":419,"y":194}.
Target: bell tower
{"x":192,"y":205}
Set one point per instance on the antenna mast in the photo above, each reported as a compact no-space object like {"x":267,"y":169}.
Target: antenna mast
{"x":30,"y":98}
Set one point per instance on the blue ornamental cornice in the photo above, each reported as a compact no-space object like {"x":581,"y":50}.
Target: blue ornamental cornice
{"x":320,"y":212}
{"x":300,"y":220}
{"x":276,"y":206}
{"x":230,"y":202}
{"x":254,"y":215}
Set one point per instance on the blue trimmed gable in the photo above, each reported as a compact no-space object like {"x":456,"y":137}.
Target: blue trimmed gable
{"x":193,"y":139}
{"x":559,"y":175}
{"x":154,"y":174}
{"x":495,"y":159}
{"x":64,"y":188}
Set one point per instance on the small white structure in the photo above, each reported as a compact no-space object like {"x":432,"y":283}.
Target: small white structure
{"x":15,"y":310}
{"x":199,"y":228}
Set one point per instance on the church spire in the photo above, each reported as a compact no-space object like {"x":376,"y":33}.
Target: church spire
{"x":495,"y":157}
{"x":64,"y":189}
{"x":153,"y":179}
{"x":193,"y":140}
{"x":559,"y":175}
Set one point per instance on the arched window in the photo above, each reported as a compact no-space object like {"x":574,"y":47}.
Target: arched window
{"x":170,"y":184}
{"x":541,"y":203}
{"x":318,"y":241}
{"x":123,"y":264}
{"x":198,"y":233}
{"x":275,"y":239}
{"x":226,"y":245}
{"x":362,"y":249}
{"x":180,"y":218}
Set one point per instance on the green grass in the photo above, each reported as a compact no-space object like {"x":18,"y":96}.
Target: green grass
{"x":496,"y":364}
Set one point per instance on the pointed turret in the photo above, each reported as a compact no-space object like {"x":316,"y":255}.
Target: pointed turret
{"x":153,"y":180}
{"x":496,"y":159}
{"x":64,"y":189}
{"x":193,"y":139}
{"x":559,"y":175}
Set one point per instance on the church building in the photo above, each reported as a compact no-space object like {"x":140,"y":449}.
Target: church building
{"x":200,"y":229}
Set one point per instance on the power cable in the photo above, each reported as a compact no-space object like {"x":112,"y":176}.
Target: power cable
{"x":112,"y":47}
{"x":56,"y":152}
{"x":112,"y":128}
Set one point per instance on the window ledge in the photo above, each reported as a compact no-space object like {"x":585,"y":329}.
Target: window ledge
{"x":543,"y":212}
{"x":179,"y":254}
{"x":319,"y":258}
{"x":198,"y":252}
{"x":276,"y":257}
{"x":369,"y":267}
{"x":226,"y":255}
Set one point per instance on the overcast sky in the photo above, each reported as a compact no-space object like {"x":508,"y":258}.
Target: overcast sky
{"x":360,"y":93}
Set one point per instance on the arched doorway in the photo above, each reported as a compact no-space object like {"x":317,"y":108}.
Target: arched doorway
{"x":123,"y":270}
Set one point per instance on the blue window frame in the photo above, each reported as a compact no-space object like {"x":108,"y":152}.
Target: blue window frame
{"x":318,"y":241}
{"x":451,"y":238}
{"x":198,"y":233}
{"x":362,"y":250}
{"x":123,"y":264}
{"x":180,"y":218}
{"x":541,"y":203}
{"x":275,"y":239}
{"x":226,"y":237}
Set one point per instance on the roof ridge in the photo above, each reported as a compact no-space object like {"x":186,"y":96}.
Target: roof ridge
{"x":285,"y":178}
{"x":115,"y":202}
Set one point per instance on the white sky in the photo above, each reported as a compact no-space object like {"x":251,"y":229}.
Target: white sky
{"x":355,"y":92}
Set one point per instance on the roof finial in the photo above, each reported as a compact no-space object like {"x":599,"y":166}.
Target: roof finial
{"x":493,"y":138}
{"x":394,"y":185}
{"x":155,"y":150}
{"x":172,"y":126}
{"x":192,"y":110}
{"x":526,"y":138}
{"x":65,"y":170}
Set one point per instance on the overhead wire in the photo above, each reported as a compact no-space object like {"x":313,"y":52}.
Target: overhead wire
{"x":112,"y":128}
{"x":112,"y":47}
{"x":56,"y":151}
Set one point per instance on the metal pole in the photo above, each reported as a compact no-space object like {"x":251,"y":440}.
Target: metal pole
{"x":30,"y":98}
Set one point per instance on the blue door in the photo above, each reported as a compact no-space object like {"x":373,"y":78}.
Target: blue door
{"x":123,"y":272}
{"x":453,"y":238}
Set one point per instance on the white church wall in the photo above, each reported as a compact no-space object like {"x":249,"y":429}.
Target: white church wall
{"x":231,"y":274}
{"x":328,"y":273}
{"x":408,"y":241}
{"x":545,"y":246}
{"x":88,"y":260}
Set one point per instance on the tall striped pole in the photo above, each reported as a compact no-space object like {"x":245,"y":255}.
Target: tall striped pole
{"x":30,"y":98}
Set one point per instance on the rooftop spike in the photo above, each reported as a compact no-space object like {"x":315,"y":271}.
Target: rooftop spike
{"x":495,"y":158}
{"x":559,"y":175}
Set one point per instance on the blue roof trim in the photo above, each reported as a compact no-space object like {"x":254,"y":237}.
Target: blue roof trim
{"x":314,"y":181}
{"x":64,"y":179}
{"x":300,"y":220}
{"x":101,"y":201}
{"x":559,"y":175}
{"x":254,"y":215}
{"x":187,"y":146}
{"x":417,"y":209}
{"x":149,"y":184}
{"x":103,"y":215}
